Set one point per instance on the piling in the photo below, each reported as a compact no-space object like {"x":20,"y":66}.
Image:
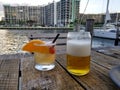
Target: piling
{"x":89,"y":26}
{"x":117,"y":35}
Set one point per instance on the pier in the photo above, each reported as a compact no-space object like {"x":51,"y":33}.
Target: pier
{"x":17,"y":72}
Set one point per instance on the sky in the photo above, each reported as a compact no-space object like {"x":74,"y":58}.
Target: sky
{"x":94,"y":6}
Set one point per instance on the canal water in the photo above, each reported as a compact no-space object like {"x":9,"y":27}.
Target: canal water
{"x":11,"y":41}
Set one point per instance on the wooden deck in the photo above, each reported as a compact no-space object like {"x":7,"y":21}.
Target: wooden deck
{"x":17,"y":72}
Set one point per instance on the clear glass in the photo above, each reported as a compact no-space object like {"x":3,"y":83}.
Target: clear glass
{"x":78,"y":52}
{"x":45,"y":61}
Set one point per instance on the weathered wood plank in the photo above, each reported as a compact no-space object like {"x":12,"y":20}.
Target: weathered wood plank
{"x":97,"y":79}
{"x":14,"y":56}
{"x":60,"y":49}
{"x":56,"y":79}
{"x":110,"y":51}
{"x":104,"y":60}
{"x":9,"y":73}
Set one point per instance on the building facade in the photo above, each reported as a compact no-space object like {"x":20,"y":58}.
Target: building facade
{"x":50,"y":14}
{"x":65,"y":12}
{"x":75,"y":4}
{"x":21,"y":14}
{"x":69,"y":11}
{"x":60,"y":13}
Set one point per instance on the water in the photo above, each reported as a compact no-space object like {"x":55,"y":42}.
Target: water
{"x":100,"y":42}
{"x":13,"y":40}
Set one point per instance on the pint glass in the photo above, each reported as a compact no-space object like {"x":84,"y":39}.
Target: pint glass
{"x":78,"y":52}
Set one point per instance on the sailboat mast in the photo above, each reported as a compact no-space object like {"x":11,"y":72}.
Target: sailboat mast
{"x":107,"y":5}
{"x":107,"y":17}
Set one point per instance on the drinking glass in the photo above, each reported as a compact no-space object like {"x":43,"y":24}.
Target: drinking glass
{"x":44,"y":61}
{"x":78,"y":52}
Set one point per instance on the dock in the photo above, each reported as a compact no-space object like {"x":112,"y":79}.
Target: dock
{"x":17,"y":72}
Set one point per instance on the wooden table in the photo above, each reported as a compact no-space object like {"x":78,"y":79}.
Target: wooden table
{"x":17,"y":72}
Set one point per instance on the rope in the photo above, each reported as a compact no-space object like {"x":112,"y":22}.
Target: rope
{"x":84,"y":12}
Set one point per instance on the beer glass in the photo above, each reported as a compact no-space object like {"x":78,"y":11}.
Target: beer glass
{"x":78,"y":52}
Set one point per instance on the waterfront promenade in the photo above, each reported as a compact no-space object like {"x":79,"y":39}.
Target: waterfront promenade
{"x":37,"y":28}
{"x":12,"y":40}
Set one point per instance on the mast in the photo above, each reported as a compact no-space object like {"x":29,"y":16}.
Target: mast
{"x":107,"y":17}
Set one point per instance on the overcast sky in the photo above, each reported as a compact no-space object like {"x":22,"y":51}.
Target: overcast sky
{"x":94,"y":6}
{"x":30,"y":2}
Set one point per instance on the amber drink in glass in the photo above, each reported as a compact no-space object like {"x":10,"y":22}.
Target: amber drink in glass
{"x":45,"y":61}
{"x":78,"y":52}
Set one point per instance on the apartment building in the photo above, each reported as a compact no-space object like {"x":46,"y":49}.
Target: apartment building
{"x":50,"y":14}
{"x":60,"y":13}
{"x":69,"y":11}
{"x":75,"y":4}
{"x":21,"y":14}
{"x":42,"y":16}
{"x":65,"y":12}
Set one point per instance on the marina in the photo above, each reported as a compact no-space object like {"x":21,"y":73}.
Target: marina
{"x":84,"y":54}
{"x":13,"y":40}
{"x":60,"y":45}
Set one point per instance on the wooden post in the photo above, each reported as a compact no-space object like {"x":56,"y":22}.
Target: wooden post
{"x":89,"y":26}
{"x":117,"y":36}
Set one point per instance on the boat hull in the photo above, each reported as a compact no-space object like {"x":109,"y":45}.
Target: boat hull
{"x":104,"y":34}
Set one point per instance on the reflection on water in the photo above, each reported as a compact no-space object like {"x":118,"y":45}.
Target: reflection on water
{"x":100,"y":42}
{"x":12,"y":40}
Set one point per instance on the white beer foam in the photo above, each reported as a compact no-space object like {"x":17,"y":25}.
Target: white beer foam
{"x":79,"y":47}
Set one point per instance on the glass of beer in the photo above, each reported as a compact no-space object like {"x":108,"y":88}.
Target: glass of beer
{"x":78,"y":52}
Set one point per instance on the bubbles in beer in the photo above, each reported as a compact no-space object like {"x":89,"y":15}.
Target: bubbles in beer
{"x":78,"y":56}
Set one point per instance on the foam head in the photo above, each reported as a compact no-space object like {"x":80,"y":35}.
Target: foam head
{"x":79,"y":47}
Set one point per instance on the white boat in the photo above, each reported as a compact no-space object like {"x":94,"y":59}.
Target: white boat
{"x":108,"y":30}
{"x":109,"y":33}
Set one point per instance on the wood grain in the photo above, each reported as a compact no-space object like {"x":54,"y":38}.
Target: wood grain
{"x":17,"y":72}
{"x":9,"y":73}
{"x":98,"y":78}
{"x":110,"y":51}
{"x":105,"y":60}
{"x":56,"y":79}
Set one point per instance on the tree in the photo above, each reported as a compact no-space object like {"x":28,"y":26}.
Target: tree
{"x":2,"y":22}
{"x":30,"y":22}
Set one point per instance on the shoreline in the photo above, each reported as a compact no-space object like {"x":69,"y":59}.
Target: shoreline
{"x":38,"y":28}
{"x":12,"y":40}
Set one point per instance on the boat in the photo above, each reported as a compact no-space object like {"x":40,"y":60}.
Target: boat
{"x":108,"y":30}
{"x":108,"y":34}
